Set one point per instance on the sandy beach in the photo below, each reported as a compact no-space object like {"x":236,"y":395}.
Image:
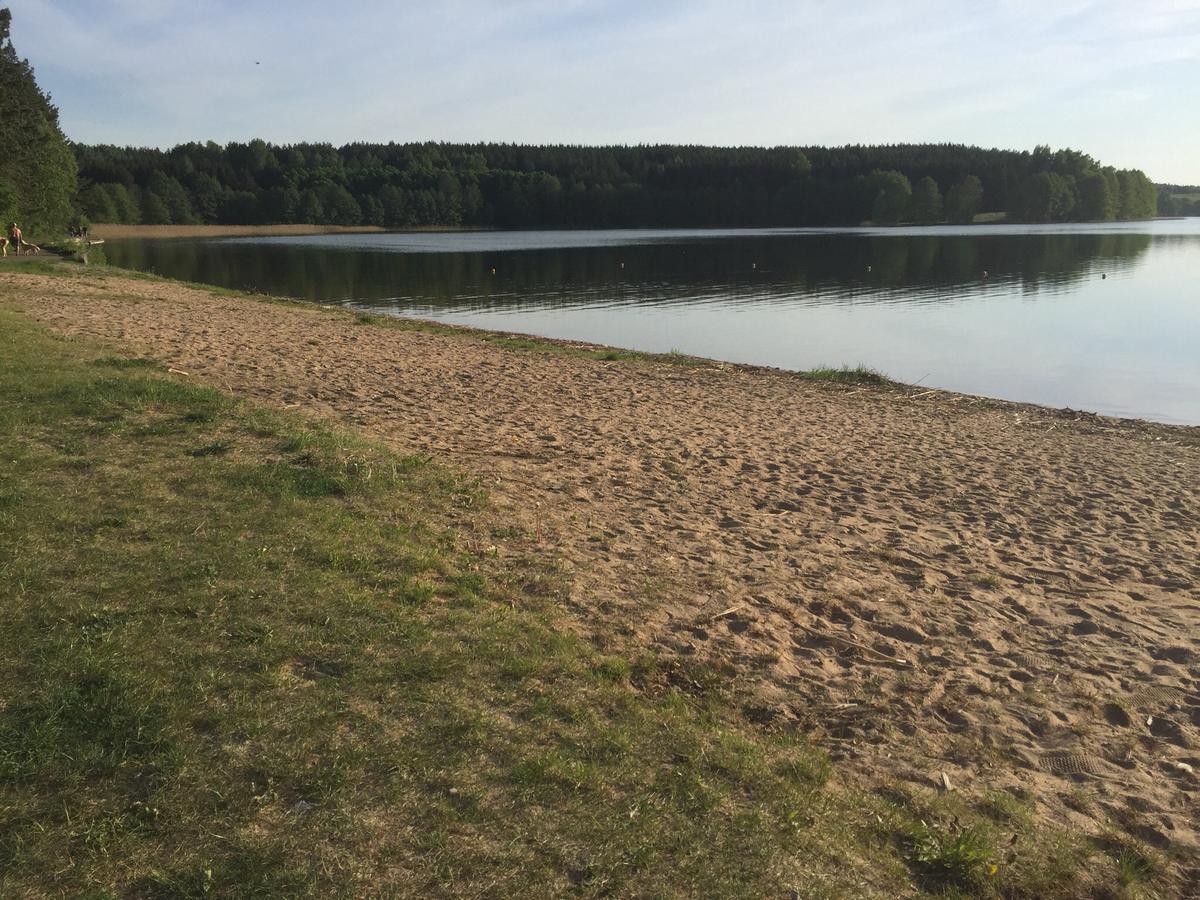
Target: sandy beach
{"x":112,"y":232}
{"x":109,"y":232}
{"x":940,"y":589}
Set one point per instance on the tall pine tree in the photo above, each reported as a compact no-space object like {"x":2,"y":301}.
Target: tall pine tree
{"x":38,"y":171}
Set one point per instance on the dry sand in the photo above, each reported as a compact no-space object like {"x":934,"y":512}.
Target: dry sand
{"x":926,"y":583}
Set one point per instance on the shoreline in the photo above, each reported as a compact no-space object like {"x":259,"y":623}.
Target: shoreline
{"x":117,"y":232}
{"x":880,"y":380}
{"x":927,"y":584}
{"x":165,"y":232}
{"x":114,"y":232}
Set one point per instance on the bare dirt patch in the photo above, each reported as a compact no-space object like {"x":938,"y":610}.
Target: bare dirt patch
{"x":950,"y":591}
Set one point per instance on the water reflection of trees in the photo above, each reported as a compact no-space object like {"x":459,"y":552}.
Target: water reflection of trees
{"x":830,"y":267}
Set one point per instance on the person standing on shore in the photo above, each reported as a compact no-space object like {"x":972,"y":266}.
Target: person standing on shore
{"x":14,"y":237}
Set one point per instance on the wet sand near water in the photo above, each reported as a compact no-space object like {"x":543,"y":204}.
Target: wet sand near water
{"x":928,"y":584}
{"x":108,"y":232}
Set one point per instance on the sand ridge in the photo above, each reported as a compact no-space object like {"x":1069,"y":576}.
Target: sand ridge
{"x":924,"y":582}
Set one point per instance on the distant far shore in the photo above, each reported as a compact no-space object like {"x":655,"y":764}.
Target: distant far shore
{"x":110,"y":232}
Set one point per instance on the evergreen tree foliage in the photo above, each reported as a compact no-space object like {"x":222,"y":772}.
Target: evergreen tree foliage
{"x":38,"y":171}
{"x":1178,"y":200}
{"x":153,"y":210}
{"x":8,"y":204}
{"x":401,"y":185}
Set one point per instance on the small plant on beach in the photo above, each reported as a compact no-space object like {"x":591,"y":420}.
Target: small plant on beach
{"x":1005,"y":808}
{"x":987,"y":581}
{"x":1135,"y":863}
{"x":959,"y":854}
{"x":845,"y":375}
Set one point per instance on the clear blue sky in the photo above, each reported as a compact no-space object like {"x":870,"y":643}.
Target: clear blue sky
{"x":1119,"y":79}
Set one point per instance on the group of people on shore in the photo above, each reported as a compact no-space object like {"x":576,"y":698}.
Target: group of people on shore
{"x":14,"y":237}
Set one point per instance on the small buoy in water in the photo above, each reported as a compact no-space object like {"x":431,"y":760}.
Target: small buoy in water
{"x":754,"y":265}
{"x":868,"y":268}
{"x":493,"y":270}
{"x":622,"y":265}
{"x":1103,"y":275}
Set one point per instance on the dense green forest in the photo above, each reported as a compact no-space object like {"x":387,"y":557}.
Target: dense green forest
{"x":1179,"y":200}
{"x":399,"y":185}
{"x":37,"y":168}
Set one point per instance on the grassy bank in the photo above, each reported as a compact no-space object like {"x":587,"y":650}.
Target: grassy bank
{"x":248,"y":655}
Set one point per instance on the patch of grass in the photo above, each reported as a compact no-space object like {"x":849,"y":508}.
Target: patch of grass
{"x":1004,"y":808}
{"x":41,"y":264}
{"x":583,"y":351}
{"x":213,"y":448}
{"x":846,"y":375}
{"x":962,"y":855}
{"x":127,"y":362}
{"x":1136,"y":866}
{"x":987,"y":581}
{"x":992,"y":848}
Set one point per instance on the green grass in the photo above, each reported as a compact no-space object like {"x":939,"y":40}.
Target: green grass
{"x":42,"y":264}
{"x":245,"y":654}
{"x":846,"y":375}
{"x":962,"y":856}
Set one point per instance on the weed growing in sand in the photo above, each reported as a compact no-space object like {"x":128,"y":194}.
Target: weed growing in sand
{"x":1006,"y":809}
{"x":987,"y":581}
{"x":1136,"y":865}
{"x":846,"y":375}
{"x":122,"y":362}
{"x":963,"y":855}
{"x":993,"y":848}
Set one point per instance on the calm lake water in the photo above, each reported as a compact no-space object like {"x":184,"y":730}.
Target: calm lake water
{"x":1103,"y":318}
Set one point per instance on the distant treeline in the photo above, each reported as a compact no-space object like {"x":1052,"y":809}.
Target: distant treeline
{"x":401,"y":185}
{"x":1179,"y":200}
